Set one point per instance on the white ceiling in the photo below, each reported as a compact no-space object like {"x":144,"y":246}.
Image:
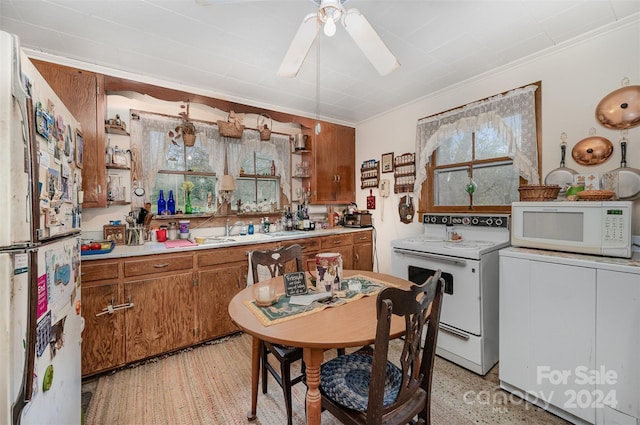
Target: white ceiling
{"x":233,"y":48}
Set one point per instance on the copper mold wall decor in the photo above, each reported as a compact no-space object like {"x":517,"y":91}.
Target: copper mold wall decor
{"x":620,"y":109}
{"x":592,"y":150}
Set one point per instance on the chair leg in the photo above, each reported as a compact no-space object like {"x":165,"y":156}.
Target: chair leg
{"x":285,"y":372}
{"x":264,"y":368}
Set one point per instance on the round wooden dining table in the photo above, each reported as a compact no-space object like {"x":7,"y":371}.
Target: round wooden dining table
{"x":349,"y":325}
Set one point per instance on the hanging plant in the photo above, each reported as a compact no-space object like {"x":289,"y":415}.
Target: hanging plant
{"x":185,"y":131}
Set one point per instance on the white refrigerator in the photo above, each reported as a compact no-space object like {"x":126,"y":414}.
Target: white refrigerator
{"x":40,"y":181}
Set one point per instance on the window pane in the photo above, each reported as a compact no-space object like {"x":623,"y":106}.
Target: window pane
{"x":497,"y":185}
{"x":198,"y":156}
{"x":263,"y":165}
{"x":202,"y":186}
{"x":449,"y":187}
{"x":247,"y":165}
{"x":245,"y":191}
{"x":268,"y":191}
{"x":490,"y":145}
{"x":455,"y":149}
{"x":166,"y":182}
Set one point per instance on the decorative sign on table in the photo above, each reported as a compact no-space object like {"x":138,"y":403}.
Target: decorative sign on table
{"x":295,"y":283}
{"x":283,"y":309}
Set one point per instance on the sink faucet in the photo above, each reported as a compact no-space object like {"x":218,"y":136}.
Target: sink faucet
{"x":229,"y":228}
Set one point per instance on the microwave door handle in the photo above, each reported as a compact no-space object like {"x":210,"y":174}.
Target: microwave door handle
{"x":437,"y":257}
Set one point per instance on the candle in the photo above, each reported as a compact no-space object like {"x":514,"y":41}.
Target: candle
{"x":263,"y":294}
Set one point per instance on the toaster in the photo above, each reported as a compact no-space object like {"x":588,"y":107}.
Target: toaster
{"x":358,"y":219}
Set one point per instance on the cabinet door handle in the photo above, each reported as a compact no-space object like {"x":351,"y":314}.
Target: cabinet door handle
{"x":160,"y":266}
{"x":337,"y":242}
{"x":110,"y":309}
{"x":357,"y":257}
{"x":240,"y":282}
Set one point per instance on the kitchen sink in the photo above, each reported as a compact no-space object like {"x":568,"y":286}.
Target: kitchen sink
{"x":252,"y":238}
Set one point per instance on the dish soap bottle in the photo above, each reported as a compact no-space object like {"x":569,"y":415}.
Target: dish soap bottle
{"x":250,"y":229}
{"x":162,"y":204}
{"x":171,"y":203}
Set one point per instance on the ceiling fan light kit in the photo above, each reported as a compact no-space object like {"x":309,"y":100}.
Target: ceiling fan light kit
{"x":357,"y":26}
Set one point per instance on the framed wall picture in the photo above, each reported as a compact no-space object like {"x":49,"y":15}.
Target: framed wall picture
{"x":386,"y":164}
{"x":79,"y":150}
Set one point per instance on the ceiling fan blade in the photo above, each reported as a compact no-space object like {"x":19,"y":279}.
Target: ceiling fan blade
{"x":300,"y":46}
{"x":369,"y":42}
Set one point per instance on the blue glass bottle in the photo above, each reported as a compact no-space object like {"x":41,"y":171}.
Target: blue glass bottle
{"x":250,"y":231}
{"x":162,"y":205}
{"x":171,"y":203}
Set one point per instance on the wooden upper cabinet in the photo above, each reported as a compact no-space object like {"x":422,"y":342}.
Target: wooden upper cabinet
{"x":82,"y":92}
{"x":334,"y":159}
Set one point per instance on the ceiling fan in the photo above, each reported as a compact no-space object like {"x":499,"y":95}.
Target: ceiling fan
{"x":330,"y":12}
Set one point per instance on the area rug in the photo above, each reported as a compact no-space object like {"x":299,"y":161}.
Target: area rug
{"x":210,"y":384}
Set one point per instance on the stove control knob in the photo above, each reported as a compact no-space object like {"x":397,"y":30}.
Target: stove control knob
{"x":474,"y":221}
{"x":489,"y":222}
{"x":498,"y":222}
{"x":444,"y":220}
{"x":433,"y":219}
{"x":465,"y":220}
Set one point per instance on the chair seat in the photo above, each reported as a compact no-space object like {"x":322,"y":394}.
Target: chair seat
{"x":345,"y":380}
{"x":292,"y":353}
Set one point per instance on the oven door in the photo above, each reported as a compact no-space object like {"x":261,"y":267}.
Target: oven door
{"x":461,"y":303}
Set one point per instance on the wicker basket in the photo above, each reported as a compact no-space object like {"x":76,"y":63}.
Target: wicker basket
{"x":233,"y":127}
{"x":265,"y":132}
{"x":539,"y":192}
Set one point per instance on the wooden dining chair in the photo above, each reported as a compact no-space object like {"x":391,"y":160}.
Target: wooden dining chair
{"x":279,"y":261}
{"x":364,"y":388}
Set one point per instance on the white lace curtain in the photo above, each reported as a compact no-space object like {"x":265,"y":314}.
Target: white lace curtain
{"x":492,"y":113}
{"x":149,"y":137}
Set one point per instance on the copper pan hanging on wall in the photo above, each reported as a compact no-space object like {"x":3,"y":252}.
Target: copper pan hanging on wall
{"x":592,"y":150}
{"x":620,"y":109}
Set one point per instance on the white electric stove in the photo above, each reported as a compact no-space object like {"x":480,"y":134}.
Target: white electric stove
{"x":469,"y":322}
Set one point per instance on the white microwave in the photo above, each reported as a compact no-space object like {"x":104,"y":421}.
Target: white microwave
{"x":601,"y":228}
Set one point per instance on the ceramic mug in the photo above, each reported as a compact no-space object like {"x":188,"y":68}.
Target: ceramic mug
{"x":328,"y":267}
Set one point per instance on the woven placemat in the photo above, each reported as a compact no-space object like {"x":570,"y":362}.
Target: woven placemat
{"x":281,"y":310}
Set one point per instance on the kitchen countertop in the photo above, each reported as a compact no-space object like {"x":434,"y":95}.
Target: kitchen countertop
{"x":150,"y":248}
{"x":626,"y":265}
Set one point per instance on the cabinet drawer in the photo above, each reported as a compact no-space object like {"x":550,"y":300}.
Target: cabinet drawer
{"x":329,"y":242}
{"x":157,"y":264}
{"x":308,"y":245}
{"x":362,"y":237}
{"x":216,"y":256}
{"x":98,"y":270}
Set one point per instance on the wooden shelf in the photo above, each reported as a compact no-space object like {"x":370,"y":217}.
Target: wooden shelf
{"x":117,"y":167}
{"x":404,"y":172}
{"x":118,"y":203}
{"x":114,"y":129}
{"x":370,"y":175}
{"x":180,"y":216}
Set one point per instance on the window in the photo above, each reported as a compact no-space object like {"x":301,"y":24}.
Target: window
{"x":473,"y":158}
{"x":256,"y":185}
{"x":167,"y":163}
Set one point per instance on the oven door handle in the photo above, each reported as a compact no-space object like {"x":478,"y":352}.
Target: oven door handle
{"x":417,"y":254}
{"x":453,"y":331}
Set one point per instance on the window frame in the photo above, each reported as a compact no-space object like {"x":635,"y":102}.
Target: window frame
{"x":427,"y":197}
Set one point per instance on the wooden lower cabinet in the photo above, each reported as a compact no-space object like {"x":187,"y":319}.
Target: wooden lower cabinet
{"x":179,"y":299}
{"x":216,"y":287}
{"x":102,"y":337}
{"x":363,"y":251}
{"x":161,"y":318}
